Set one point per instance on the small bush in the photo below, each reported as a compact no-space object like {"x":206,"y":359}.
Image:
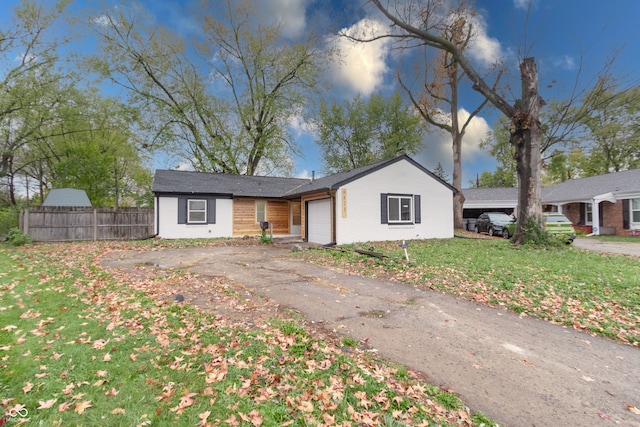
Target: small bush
{"x":264,"y":238}
{"x":8,"y":220}
{"x":537,"y":235}
{"x":17,"y":237}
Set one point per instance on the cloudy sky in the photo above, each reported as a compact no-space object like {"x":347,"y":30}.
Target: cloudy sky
{"x":568,"y":38}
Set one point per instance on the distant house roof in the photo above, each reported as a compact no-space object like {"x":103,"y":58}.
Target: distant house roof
{"x":610,"y":186}
{"x":490,"y":197}
{"x":169,"y":181}
{"x":67,"y":197}
{"x":619,"y":184}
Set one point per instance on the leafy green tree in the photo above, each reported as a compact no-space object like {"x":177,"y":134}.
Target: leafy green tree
{"x":220,"y":102}
{"x":359,"y":132}
{"x":613,"y":132}
{"x":29,"y":59}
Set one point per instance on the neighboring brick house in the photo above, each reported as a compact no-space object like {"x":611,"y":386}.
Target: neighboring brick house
{"x":603,"y":204}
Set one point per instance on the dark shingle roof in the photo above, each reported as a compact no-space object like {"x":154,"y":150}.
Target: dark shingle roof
{"x":587,"y":188}
{"x":495,"y":194}
{"x":170,"y":181}
{"x":573,"y":190}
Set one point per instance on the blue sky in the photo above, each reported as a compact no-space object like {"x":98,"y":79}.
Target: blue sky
{"x":564,"y":36}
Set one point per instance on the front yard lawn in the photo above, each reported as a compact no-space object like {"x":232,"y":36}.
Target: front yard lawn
{"x":81,"y":346}
{"x":598,"y":293}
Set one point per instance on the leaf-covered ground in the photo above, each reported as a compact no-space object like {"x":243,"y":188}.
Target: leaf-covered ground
{"x":598,"y":293}
{"x":83,"y":346}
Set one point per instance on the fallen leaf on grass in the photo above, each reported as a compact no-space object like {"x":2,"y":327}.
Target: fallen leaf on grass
{"x":82,"y":406}
{"x":118,"y":411}
{"x":112,"y":392}
{"x":46,"y":404}
{"x":27,"y":387}
{"x":203,"y":418}
{"x":64,"y":406}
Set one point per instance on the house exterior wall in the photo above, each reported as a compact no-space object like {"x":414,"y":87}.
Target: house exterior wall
{"x":358,"y":206}
{"x":244,"y":217}
{"x":167,"y":227}
{"x":611,"y":216}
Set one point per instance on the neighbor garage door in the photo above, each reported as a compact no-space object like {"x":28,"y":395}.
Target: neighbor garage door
{"x":319,"y":221}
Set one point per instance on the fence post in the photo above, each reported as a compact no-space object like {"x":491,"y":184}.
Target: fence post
{"x":95,"y":224}
{"x":25,"y":221}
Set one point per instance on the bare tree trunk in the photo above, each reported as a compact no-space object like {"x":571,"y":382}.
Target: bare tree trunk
{"x":526,"y":139}
{"x":458,"y":198}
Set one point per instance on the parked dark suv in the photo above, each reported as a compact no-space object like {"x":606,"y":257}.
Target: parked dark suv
{"x":496,"y":224}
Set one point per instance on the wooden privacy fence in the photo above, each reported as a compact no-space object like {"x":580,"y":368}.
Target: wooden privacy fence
{"x":67,"y":223}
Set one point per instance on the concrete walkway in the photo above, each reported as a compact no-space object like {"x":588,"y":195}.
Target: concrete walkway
{"x":517,"y":370}
{"x":622,"y":248}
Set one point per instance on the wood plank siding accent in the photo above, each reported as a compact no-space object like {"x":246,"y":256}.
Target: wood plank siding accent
{"x":244,"y":217}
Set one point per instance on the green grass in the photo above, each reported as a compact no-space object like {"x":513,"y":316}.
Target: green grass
{"x":80,"y":346}
{"x":598,"y":293}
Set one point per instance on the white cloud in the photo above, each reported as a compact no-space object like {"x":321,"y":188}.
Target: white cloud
{"x":438,"y":149}
{"x":523,"y":4}
{"x":482,"y":48}
{"x":361,"y":66}
{"x":299,"y":126}
{"x":564,"y":62}
{"x":288,"y":13}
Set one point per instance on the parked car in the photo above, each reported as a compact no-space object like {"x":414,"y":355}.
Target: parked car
{"x":559,"y":225}
{"x":496,"y":224}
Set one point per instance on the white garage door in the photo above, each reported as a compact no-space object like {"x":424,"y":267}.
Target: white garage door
{"x":319,"y":221}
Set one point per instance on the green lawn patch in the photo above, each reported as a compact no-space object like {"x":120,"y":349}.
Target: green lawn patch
{"x":80,"y":346}
{"x":598,"y":293}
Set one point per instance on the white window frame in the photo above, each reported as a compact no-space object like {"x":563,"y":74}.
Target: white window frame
{"x":192,"y":211}
{"x":588,"y":213}
{"x":634,"y":209}
{"x":261,"y":211}
{"x":399,"y":212}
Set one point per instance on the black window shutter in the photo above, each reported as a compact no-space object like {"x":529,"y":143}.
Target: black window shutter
{"x":625,"y":213}
{"x":416,"y":202}
{"x":583,"y":210}
{"x":211,"y":211}
{"x":182,"y":210}
{"x":384,"y":213}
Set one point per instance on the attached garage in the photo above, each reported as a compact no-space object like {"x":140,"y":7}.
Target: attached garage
{"x":319,"y":221}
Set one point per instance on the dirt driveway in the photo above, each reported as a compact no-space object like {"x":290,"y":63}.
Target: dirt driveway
{"x":517,"y":370}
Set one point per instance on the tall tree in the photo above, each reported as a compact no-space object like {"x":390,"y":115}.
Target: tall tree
{"x":440,"y":91}
{"x":524,"y":113}
{"x":28,"y":60}
{"x":613,"y":132}
{"x":361,"y":132}
{"x":222,"y":101}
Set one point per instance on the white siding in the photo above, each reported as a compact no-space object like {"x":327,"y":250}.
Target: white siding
{"x":168,"y":227}
{"x":362,"y":222}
